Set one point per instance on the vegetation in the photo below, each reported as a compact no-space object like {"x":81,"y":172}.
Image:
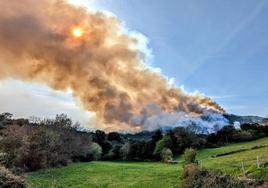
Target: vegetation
{"x":109,"y":175}
{"x":7,"y":179}
{"x":48,"y":143}
{"x":189,"y":156}
{"x":96,"y":151}
{"x":152,"y":174}
{"x":166,"y":155}
{"x":32,"y":144}
{"x":238,"y":164}
{"x":195,"y":177}
{"x":162,"y":146}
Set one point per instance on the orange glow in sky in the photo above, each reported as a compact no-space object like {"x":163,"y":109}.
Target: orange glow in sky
{"x":77,"y":32}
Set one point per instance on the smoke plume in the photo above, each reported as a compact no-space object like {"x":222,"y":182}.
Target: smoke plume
{"x":104,"y":68}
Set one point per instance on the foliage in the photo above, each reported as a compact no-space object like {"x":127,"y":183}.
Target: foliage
{"x":31,"y":147}
{"x":166,"y":155}
{"x":95,"y":151}
{"x":42,"y":143}
{"x":137,"y":150}
{"x":183,"y":138}
{"x":10,"y":146}
{"x":124,"y":151}
{"x":195,"y":178}
{"x":7,"y":179}
{"x":146,"y":174}
{"x":162,"y":144}
{"x":189,"y":156}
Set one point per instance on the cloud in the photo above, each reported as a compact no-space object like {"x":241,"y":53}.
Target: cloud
{"x":25,"y":100}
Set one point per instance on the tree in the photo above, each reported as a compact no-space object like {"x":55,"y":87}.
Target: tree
{"x":62,"y":120}
{"x":183,"y":138}
{"x":157,"y":136}
{"x":189,"y":156}
{"x":5,"y":115}
{"x":137,"y":150}
{"x":95,"y":151}
{"x":166,"y":155}
{"x":124,"y":151}
{"x":165,"y":142}
{"x":114,"y":136}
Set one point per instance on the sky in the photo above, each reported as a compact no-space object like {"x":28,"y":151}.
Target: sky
{"x":219,"y":48}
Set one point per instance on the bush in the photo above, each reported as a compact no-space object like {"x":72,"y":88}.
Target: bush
{"x":10,"y":145}
{"x":166,"y":155}
{"x":96,"y":151}
{"x":189,"y":156}
{"x":165,"y":142}
{"x":9,"y":180}
{"x":193,"y":177}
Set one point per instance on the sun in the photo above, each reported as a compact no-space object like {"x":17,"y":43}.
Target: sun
{"x":77,"y":32}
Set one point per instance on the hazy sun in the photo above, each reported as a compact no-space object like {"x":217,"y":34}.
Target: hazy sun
{"x":77,"y":32}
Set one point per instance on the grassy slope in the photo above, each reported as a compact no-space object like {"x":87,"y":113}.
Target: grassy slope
{"x":109,"y":174}
{"x":231,"y":164}
{"x":149,"y":174}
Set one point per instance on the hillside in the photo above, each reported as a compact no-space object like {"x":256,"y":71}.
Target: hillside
{"x":246,"y":153}
{"x":109,"y":174}
{"x":244,"y":119}
{"x":155,"y":174}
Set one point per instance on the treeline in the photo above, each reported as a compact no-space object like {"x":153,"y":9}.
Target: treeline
{"x":28,"y":145}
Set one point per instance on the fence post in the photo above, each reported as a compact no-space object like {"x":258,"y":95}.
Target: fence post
{"x":258,"y":162}
{"x":243,"y":169}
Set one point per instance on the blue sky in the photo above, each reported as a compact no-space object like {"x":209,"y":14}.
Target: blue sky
{"x":218,"y":47}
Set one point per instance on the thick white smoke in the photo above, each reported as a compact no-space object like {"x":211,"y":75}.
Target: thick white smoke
{"x":153,"y":118}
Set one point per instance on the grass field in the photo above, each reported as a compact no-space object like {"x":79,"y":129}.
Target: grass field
{"x":152,"y":174}
{"x":232,"y":164}
{"x":109,"y":174}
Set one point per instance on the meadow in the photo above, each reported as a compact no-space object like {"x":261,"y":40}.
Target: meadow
{"x":155,"y":174}
{"x":109,"y":174}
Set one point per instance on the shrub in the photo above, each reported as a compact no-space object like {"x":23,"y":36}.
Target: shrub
{"x":42,"y":148}
{"x":10,"y":145}
{"x":165,"y":142}
{"x":96,"y":151}
{"x":9,"y":180}
{"x":193,"y":177}
{"x":189,"y":156}
{"x":166,"y":155}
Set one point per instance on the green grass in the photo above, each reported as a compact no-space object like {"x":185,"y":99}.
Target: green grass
{"x":152,"y":174}
{"x":232,"y":164}
{"x":204,"y":154}
{"x":109,"y":174}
